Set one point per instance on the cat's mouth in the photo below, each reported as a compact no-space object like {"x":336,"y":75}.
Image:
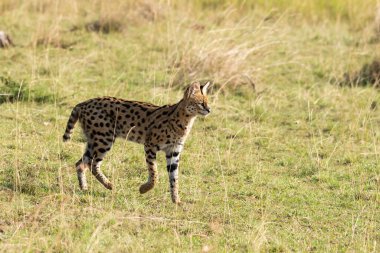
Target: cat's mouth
{"x":205,"y":112}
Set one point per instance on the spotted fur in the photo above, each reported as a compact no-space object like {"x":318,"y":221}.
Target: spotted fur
{"x":158,"y":128}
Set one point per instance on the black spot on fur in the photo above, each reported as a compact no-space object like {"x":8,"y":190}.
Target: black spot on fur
{"x":152,"y":157}
{"x":149,"y":162}
{"x":103,"y":141}
{"x":87,"y":153}
{"x":172,"y":167}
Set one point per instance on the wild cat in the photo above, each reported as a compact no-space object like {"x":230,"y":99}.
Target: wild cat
{"x":158,"y":128}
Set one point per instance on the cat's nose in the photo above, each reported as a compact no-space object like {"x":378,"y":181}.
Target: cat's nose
{"x":208,"y":109}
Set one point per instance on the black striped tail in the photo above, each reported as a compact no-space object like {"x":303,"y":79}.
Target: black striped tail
{"x":71,"y":123}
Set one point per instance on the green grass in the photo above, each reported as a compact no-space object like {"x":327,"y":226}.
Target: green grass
{"x":292,"y":166}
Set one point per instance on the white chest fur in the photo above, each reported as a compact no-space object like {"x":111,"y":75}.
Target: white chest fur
{"x":189,"y":126}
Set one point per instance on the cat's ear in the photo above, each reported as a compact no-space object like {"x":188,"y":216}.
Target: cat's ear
{"x":190,"y":91}
{"x":204,"y":88}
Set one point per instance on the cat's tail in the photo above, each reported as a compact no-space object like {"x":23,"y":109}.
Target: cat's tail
{"x":71,"y":123}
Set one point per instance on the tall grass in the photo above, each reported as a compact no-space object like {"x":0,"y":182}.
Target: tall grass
{"x":234,"y":55}
{"x":292,"y":167}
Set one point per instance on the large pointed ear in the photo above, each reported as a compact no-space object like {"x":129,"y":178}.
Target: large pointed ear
{"x":205,"y":87}
{"x":190,"y":91}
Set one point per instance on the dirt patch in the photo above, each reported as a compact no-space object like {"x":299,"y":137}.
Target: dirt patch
{"x":104,"y":26}
{"x":368,"y":75}
{"x":117,"y":17}
{"x":54,"y":42}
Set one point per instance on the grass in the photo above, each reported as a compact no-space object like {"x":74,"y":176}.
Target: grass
{"x":290,"y":166}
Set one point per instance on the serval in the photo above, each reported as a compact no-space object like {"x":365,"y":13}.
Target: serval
{"x":158,"y":128}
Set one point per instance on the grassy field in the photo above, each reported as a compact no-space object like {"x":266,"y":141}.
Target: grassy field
{"x":287,"y":161}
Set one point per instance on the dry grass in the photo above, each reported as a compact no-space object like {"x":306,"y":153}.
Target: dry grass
{"x":294,"y":167}
{"x":368,"y":75}
{"x":234,"y":55}
{"x":377,"y":20}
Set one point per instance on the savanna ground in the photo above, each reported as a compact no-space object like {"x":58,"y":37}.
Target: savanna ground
{"x":292,"y":165}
